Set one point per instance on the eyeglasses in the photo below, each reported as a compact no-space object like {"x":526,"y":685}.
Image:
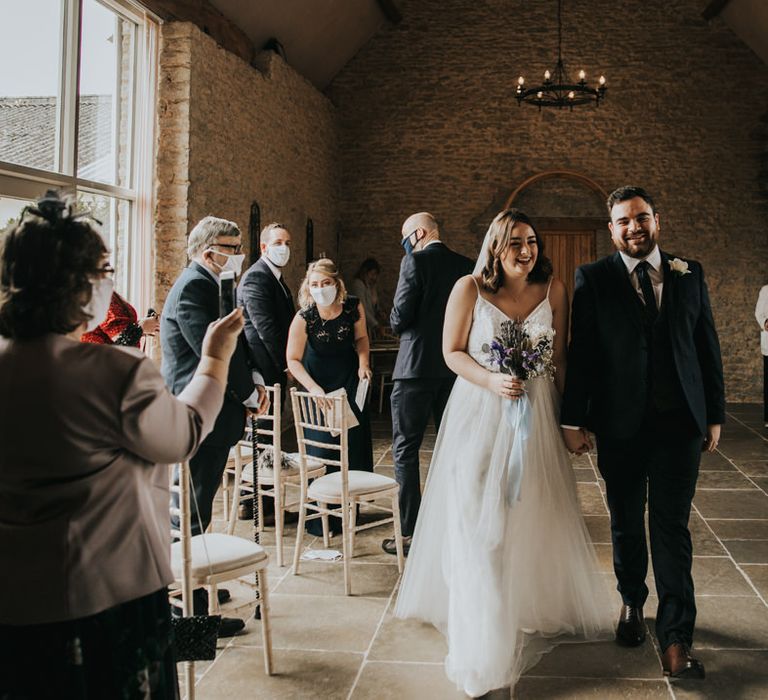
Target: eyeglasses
{"x":236,"y":248}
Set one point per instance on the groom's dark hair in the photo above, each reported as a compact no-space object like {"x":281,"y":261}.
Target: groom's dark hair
{"x":629,"y":192}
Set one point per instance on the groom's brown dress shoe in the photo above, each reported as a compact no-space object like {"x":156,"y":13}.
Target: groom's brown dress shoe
{"x":630,"y":631}
{"x":677,"y":662}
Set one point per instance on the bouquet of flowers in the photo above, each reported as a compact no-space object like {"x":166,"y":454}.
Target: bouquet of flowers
{"x":523,"y":350}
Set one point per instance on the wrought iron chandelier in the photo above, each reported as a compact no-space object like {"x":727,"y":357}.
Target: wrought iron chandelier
{"x":558,"y":90}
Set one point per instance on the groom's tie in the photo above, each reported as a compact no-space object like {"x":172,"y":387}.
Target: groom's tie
{"x":647,"y":288}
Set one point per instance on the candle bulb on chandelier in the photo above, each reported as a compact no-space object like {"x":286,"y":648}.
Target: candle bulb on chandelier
{"x":539,"y":94}
{"x":521,"y":81}
{"x":547,"y":75}
{"x":602,"y":80}
{"x":582,"y":75}
{"x":571,"y":95}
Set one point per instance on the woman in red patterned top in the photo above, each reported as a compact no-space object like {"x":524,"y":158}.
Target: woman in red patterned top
{"x":122,"y":325}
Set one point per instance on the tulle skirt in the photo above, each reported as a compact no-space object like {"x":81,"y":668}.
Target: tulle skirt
{"x":501,"y":562}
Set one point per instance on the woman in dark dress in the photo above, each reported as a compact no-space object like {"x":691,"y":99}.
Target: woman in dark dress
{"x":327,"y":350}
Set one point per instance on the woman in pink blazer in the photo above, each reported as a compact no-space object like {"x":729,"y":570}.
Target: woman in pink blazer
{"x":85,"y":432}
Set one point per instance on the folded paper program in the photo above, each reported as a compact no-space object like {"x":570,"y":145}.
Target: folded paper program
{"x":333,"y":415}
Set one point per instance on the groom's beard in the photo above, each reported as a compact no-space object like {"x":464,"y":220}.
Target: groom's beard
{"x":637,"y":245}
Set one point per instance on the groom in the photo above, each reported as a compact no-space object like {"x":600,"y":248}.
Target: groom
{"x":645,"y":375}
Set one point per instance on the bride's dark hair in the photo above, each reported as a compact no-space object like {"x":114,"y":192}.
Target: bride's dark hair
{"x":492,"y":274}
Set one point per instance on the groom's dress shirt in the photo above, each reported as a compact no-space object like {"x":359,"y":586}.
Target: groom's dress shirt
{"x":654,"y":273}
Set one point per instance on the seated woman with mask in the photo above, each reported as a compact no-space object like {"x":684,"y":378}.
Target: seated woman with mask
{"x":85,"y":433}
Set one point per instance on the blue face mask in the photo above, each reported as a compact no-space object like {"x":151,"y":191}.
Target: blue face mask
{"x":406,"y":243}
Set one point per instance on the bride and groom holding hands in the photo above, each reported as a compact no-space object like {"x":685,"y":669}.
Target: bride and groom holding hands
{"x":500,"y":559}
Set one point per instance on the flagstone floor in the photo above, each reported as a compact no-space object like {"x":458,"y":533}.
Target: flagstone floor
{"x":330,"y":646}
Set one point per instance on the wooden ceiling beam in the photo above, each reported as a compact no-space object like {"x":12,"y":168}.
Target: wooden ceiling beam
{"x":209,"y":20}
{"x":714,"y":8}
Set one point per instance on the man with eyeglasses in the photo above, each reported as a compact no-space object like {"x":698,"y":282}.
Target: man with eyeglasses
{"x":422,"y":381}
{"x":214,"y":245}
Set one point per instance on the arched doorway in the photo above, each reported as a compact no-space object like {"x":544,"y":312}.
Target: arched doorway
{"x":568,"y":210}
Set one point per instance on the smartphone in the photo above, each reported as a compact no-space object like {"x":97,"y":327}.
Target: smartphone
{"x":227,"y":293}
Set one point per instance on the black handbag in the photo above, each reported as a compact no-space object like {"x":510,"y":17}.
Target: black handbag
{"x":196,"y":637}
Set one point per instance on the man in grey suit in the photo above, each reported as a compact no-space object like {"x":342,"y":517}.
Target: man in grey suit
{"x":422,"y":381}
{"x":193,"y":303}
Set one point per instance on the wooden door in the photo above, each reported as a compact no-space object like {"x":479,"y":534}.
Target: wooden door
{"x":567,"y":249}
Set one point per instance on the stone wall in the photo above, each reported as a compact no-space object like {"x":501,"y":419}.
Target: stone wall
{"x":230,"y":134}
{"x":428,"y":121}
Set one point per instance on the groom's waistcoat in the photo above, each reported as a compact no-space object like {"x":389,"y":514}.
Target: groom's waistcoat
{"x":664,"y":390}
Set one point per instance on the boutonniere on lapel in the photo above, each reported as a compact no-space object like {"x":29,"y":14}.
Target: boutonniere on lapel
{"x":679,"y":267}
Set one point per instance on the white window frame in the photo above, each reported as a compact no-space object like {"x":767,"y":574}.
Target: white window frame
{"x":27,"y":183}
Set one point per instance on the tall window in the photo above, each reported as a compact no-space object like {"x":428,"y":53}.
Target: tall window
{"x":77,"y":99}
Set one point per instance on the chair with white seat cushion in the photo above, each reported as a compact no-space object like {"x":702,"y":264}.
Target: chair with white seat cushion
{"x":346,"y":488}
{"x":272,"y":483}
{"x":212,"y":558}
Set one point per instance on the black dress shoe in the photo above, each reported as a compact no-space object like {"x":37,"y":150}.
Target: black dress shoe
{"x":390,"y":545}
{"x":222,"y":595}
{"x":630,"y":631}
{"x":677,"y":662}
{"x":230,"y":626}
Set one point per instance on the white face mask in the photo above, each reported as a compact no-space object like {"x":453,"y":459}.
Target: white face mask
{"x":279,"y":254}
{"x":324,"y":296}
{"x":97,"y":307}
{"x":234,"y":262}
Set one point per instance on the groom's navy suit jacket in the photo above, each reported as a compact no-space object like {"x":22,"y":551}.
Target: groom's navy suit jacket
{"x":608,"y":382}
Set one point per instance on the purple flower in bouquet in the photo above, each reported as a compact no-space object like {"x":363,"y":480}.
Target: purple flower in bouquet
{"x":521,"y":353}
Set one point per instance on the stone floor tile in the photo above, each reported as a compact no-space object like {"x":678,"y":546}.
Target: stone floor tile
{"x":714,"y":461}
{"x":739,"y":529}
{"x":599,"y":527}
{"x":758,"y":574}
{"x":728,"y":623}
{"x":753,"y":467}
{"x":408,"y":640}
{"x":761,"y":482}
{"x":327,"y":623}
{"x":532,"y":688}
{"x":731,"y":504}
{"x":719,"y":576}
{"x":748,"y":551}
{"x":599,"y":660}
{"x":604,"y":557}
{"x":704,"y":542}
{"x":399,"y":681}
{"x":731,"y":675}
{"x":327,"y":579}
{"x":586,"y":475}
{"x":239,"y":674}
{"x":591,"y":499}
{"x":723,"y":480}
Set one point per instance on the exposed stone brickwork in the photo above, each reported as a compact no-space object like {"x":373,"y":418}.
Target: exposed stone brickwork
{"x":428,"y":121}
{"x":230,"y":134}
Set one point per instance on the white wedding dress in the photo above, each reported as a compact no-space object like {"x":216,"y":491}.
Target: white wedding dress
{"x":501,"y":577}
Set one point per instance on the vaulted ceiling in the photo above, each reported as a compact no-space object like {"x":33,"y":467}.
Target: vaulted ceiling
{"x":319,"y":37}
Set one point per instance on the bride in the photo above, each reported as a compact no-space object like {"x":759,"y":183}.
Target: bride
{"x":501,"y":562}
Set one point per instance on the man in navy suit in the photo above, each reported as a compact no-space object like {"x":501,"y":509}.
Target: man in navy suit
{"x":645,"y":375}
{"x":422,"y":381}
{"x":268,"y":305}
{"x":193,"y":303}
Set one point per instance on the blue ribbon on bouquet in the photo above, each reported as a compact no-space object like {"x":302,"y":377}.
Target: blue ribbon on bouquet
{"x":518,"y":415}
